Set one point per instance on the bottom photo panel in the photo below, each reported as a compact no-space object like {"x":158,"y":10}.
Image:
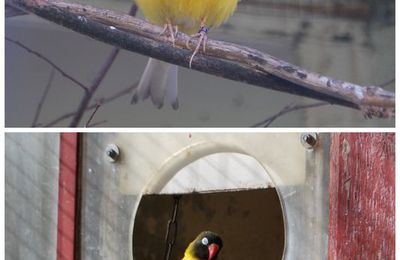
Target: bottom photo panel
{"x":200,"y":196}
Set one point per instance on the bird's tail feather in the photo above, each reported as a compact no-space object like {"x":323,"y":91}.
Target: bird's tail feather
{"x":159,"y":81}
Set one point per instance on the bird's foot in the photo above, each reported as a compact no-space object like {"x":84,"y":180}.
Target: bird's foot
{"x":202,"y":35}
{"x":171,"y":31}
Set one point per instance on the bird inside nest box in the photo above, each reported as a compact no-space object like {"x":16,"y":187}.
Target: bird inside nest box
{"x":248,"y":229}
{"x":218,"y":193}
{"x":257,"y":192}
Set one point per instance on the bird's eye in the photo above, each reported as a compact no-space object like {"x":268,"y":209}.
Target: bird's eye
{"x":204,"y":241}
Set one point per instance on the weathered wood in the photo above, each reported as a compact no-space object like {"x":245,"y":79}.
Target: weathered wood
{"x":223,"y":59}
{"x":67,"y":197}
{"x":362,"y":196}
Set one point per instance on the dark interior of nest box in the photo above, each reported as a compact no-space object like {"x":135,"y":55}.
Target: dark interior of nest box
{"x":250,"y":223}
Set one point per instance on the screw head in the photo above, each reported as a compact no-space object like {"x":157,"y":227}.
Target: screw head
{"x":112,"y":152}
{"x":309,"y":140}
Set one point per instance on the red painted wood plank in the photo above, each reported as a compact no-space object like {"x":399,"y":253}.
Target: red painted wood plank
{"x":67,"y":196}
{"x":362,"y":196}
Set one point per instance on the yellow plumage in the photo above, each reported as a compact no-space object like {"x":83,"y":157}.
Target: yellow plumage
{"x":189,"y":253}
{"x":159,"y":79}
{"x":188,"y":14}
{"x":205,"y":246}
{"x":212,"y":12}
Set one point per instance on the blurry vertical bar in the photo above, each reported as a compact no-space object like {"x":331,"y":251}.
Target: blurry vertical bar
{"x":67,"y":196}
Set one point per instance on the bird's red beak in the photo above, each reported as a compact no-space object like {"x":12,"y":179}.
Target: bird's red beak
{"x":212,"y":251}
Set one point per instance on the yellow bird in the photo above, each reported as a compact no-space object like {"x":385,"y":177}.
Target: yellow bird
{"x":160,"y":80}
{"x":206,"y":246}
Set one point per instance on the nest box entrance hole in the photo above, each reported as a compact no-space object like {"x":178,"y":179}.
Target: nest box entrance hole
{"x":239,"y":204}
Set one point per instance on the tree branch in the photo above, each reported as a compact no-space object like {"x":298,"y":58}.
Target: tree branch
{"x":386,"y":83}
{"x":103,"y":101}
{"x":97,"y":81}
{"x":223,"y":59}
{"x":88,"y":123}
{"x":93,"y":87}
{"x":97,"y":123}
{"x":47,"y":60}
{"x":45,"y":92}
{"x":287,"y":109}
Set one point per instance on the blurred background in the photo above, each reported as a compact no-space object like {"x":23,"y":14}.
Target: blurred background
{"x":351,"y":40}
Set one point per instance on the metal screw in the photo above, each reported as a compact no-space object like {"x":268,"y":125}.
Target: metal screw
{"x":309,"y":140}
{"x":112,"y":153}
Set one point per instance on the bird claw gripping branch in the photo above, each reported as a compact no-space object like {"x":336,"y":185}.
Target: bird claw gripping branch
{"x":202,"y":35}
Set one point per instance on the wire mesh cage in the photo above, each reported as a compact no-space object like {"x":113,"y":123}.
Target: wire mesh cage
{"x":31,"y":195}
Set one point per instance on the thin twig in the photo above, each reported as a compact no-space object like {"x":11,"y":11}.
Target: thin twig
{"x":41,"y":102}
{"x":97,"y":80}
{"x":56,"y":67}
{"x":109,"y":99}
{"x":287,"y":109}
{"x":92,"y":115}
{"x":93,"y":87}
{"x":97,"y":123}
{"x":386,"y":83}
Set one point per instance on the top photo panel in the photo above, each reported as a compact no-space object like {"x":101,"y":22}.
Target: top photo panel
{"x":200,"y":63}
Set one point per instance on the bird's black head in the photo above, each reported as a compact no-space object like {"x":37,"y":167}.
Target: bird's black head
{"x":207,"y":245}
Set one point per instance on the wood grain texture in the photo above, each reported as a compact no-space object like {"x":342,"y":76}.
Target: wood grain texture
{"x":362,"y":196}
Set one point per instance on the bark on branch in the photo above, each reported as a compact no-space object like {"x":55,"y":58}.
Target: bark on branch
{"x":223,"y":59}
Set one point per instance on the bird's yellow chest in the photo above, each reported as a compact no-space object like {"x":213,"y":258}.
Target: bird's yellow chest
{"x":188,"y":257}
{"x":212,"y":12}
{"x":175,"y":12}
{"x":187,"y":14}
{"x":189,"y":253}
